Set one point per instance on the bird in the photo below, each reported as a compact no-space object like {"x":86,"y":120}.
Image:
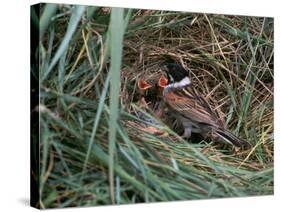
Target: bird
{"x":191,"y":109}
{"x":147,"y":103}
{"x":143,"y":86}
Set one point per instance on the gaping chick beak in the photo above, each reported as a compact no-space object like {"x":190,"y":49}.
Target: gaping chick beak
{"x":162,"y":82}
{"x":143,"y":86}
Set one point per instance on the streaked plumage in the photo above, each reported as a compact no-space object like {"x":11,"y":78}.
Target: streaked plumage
{"x":192,"y":110}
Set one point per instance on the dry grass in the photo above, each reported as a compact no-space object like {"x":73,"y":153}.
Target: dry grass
{"x":230,"y":71}
{"x":231,"y":64}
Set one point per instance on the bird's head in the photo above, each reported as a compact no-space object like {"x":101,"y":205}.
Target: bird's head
{"x":177,"y":76}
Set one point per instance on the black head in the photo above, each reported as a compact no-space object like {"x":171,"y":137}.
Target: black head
{"x":175,"y":73}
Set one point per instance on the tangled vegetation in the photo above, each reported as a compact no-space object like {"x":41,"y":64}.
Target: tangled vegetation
{"x":93,"y":149}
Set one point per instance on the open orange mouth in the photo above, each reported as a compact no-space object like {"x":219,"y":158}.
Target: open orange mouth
{"x":162,"y":82}
{"x":143,"y":85}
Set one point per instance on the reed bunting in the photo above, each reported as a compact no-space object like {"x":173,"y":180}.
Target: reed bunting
{"x":192,"y":110}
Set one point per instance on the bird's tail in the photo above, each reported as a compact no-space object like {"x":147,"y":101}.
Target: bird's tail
{"x":232,"y":139}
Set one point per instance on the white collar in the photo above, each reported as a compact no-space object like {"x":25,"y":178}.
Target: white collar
{"x":181,"y":84}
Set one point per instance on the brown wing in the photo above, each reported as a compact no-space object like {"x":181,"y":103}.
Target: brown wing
{"x":189,"y":104}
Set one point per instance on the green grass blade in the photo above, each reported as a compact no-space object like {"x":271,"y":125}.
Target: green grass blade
{"x":73,"y":23}
{"x":95,"y":126}
{"x":116,"y":45}
{"x":98,"y":150}
{"x":90,"y":12}
{"x":61,"y":70}
{"x":46,"y":18}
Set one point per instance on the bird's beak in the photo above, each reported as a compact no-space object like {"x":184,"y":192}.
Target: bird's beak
{"x":143,"y":86}
{"x":162,"y":82}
